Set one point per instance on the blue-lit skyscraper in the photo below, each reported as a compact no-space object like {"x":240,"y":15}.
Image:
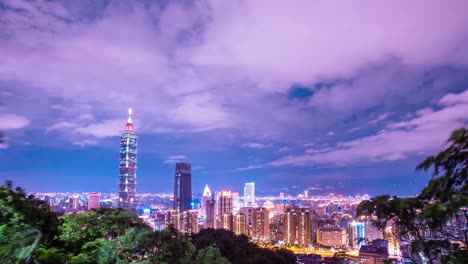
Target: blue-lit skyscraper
{"x":357,"y":234}
{"x":128,"y":166}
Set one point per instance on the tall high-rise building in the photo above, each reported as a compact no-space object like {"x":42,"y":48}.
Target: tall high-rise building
{"x":260,"y":224}
{"x":227,"y":221}
{"x":74,"y":202}
{"x":183,"y":187}
{"x":290,"y":226}
{"x":205,"y":197}
{"x":210,"y":220}
{"x":240,"y":224}
{"x":249,"y":194}
{"x":190,"y":222}
{"x":303,"y":229}
{"x":248,"y":212}
{"x":172,"y":217}
{"x":224,"y":206}
{"x":357,"y":234}
{"x":297,"y":226}
{"x":94,"y":201}
{"x":235,"y":202}
{"x":128,"y":166}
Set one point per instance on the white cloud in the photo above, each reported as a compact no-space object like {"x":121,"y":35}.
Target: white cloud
{"x":331,"y":133}
{"x":106,"y":128}
{"x":451,"y":99}
{"x":63,"y":126}
{"x":85,"y":143}
{"x":354,"y":129}
{"x":256,"y":145}
{"x":12,"y":121}
{"x":284,"y":149}
{"x":379,"y":118}
{"x":250,"y":167}
{"x":175,"y":159}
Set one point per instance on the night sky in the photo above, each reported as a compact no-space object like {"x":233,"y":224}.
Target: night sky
{"x":289,"y":95}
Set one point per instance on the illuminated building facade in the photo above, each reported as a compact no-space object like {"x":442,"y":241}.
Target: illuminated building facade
{"x":128,"y":166}
{"x":290,"y":226}
{"x":190,"y":222}
{"x":183,"y":187}
{"x":224,"y":209}
{"x":205,"y":197}
{"x":210,"y":220}
{"x":297,"y":226}
{"x":249,"y":194}
{"x":357,"y":234}
{"x":240,"y":224}
{"x":171,"y":217}
{"x":248,"y":212}
{"x":303,"y":228}
{"x":94,"y":201}
{"x":235,"y":202}
{"x":74,"y":203}
{"x":227,"y":221}
{"x":375,"y":253}
{"x":260,"y":224}
{"x":331,"y":236}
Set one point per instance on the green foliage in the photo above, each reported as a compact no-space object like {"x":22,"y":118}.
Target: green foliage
{"x":25,"y":222}
{"x":443,"y":200}
{"x":99,"y":251}
{"x":77,"y":229}
{"x":51,"y":256}
{"x":20,"y":213}
{"x":210,"y":255}
{"x":238,"y":249}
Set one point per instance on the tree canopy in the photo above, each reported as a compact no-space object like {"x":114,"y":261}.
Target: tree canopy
{"x":433,"y":224}
{"x":31,"y":233}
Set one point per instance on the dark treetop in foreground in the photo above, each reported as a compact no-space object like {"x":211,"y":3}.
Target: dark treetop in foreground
{"x":433,"y":224}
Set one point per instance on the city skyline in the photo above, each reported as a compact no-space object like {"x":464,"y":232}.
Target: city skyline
{"x":315,"y":96}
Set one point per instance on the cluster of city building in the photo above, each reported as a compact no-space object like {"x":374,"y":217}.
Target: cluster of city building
{"x":316,"y":223}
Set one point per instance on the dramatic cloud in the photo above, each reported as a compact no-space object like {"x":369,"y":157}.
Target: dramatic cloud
{"x":325,"y":39}
{"x":186,"y":71}
{"x":426,"y":132}
{"x":326,"y":83}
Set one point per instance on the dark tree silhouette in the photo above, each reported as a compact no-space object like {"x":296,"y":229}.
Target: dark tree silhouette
{"x":434,"y":223}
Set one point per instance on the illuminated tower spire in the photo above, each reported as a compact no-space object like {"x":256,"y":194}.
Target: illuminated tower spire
{"x":128,"y":162}
{"x":206,"y":191}
{"x":129,"y":126}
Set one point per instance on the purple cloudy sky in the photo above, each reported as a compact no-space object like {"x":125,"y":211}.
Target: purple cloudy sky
{"x":287,"y":94}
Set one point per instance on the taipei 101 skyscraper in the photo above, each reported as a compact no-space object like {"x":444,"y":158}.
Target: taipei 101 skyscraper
{"x":128,"y":166}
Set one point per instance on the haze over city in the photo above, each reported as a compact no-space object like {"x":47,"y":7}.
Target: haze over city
{"x":289,"y":96}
